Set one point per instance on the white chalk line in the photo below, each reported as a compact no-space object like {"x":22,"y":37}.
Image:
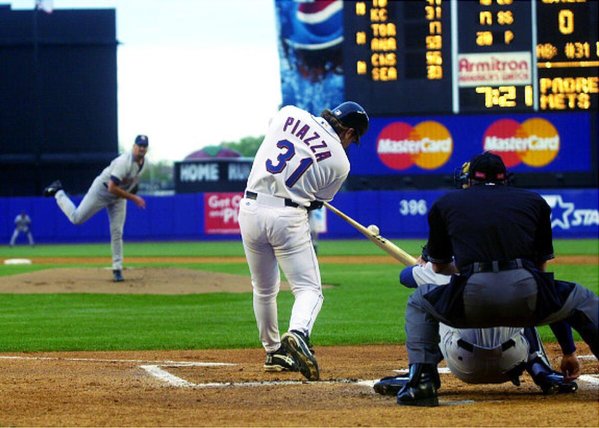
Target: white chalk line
{"x":165,"y":363}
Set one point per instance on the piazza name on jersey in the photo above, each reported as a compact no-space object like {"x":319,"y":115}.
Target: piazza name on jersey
{"x":308,"y":137}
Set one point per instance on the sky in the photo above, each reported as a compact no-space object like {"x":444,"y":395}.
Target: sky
{"x":191,"y":73}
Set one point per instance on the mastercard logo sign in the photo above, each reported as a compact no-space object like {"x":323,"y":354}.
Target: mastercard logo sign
{"x":428,"y":145}
{"x":534,"y":142}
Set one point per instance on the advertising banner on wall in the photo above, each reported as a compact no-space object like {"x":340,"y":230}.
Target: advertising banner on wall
{"x":221,"y":213}
{"x":527,"y":143}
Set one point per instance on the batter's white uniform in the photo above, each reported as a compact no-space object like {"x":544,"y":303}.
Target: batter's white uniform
{"x":126,"y":172}
{"x":476,"y":355}
{"x":300,"y":160}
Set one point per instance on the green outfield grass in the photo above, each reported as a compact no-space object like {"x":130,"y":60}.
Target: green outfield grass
{"x":364,"y":305}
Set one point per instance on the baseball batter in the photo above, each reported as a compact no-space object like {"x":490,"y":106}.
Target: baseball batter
{"x":484,"y":355}
{"x":110,"y":190}
{"x":301,"y":162}
{"x":22,"y":225}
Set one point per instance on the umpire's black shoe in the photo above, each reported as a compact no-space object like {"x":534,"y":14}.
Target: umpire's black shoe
{"x":420,"y":390}
{"x":298,"y":346}
{"x":280,"y":361}
{"x":117,"y":276}
{"x":390,"y":385}
{"x":53,"y":188}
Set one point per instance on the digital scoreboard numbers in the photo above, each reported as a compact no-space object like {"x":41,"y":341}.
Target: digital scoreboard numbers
{"x":471,"y":56}
{"x":397,"y":55}
{"x":495,"y":63}
{"x":567,"y":55}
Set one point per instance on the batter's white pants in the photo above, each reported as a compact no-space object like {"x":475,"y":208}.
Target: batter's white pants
{"x":277,"y":236}
{"x":96,"y":198}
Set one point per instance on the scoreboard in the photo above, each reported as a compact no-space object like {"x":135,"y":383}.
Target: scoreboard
{"x":471,"y":56}
{"x":443,"y":80}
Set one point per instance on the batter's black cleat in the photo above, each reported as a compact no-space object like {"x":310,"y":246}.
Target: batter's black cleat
{"x":280,"y":361}
{"x":420,"y":390}
{"x":117,"y":276}
{"x":52,"y":189}
{"x":298,"y":346}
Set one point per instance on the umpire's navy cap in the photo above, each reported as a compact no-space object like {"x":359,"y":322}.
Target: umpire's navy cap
{"x":487,"y":167}
{"x":142,"y":140}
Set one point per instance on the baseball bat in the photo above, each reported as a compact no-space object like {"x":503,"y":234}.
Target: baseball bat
{"x":386,"y":245}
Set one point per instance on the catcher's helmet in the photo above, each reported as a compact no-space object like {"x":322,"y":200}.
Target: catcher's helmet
{"x":352,"y":115}
{"x":461,"y":174}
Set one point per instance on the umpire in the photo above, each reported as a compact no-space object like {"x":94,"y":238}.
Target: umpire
{"x":499,"y":239}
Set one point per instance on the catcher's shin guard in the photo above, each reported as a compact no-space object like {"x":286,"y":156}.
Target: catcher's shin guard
{"x":421,"y":389}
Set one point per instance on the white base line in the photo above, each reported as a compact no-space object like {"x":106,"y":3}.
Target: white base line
{"x":99,"y":360}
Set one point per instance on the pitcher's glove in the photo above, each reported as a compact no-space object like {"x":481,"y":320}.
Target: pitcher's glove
{"x":134,"y":190}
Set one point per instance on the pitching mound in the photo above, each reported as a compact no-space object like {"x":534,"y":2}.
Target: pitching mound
{"x":147,"y":280}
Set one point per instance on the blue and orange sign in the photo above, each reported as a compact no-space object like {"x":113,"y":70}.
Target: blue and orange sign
{"x":427,"y":145}
{"x":534,"y":142}
{"x":528,"y":143}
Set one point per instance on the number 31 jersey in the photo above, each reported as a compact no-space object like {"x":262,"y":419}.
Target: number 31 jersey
{"x":301,"y":158}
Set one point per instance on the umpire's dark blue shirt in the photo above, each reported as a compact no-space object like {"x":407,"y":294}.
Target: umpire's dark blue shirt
{"x":490,"y":222}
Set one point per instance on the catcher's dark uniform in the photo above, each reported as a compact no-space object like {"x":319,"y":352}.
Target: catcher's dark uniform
{"x":498,"y":235}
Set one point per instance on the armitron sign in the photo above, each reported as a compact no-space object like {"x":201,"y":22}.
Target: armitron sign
{"x":492,"y":69}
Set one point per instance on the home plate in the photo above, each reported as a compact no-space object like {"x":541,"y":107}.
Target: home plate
{"x":17,"y":262}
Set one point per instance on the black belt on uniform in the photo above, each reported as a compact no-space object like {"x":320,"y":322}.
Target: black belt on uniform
{"x":288,"y":202}
{"x":496,"y":266}
{"x":470,"y":348}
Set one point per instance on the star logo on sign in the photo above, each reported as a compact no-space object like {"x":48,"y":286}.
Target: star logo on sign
{"x":560,"y":211}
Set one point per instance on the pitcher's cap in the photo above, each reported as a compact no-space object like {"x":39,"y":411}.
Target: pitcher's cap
{"x":142,"y":140}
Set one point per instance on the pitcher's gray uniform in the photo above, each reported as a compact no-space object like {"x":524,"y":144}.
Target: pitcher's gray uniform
{"x":22,"y":223}
{"x":122,"y":173}
{"x":302,"y":160}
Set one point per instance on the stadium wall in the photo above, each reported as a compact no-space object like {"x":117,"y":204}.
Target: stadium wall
{"x":213,"y":216}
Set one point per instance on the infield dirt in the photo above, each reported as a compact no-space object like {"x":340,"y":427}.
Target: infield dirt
{"x":114,"y":388}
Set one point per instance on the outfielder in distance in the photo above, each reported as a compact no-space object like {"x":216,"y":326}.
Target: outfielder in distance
{"x":22,"y":225}
{"x":115,"y":184}
{"x":301,"y":163}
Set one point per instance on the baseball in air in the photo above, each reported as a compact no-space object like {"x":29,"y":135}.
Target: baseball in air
{"x":374,"y":229}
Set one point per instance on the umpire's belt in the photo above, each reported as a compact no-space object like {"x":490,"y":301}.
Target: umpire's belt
{"x":496,"y":266}
{"x":271,"y":200}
